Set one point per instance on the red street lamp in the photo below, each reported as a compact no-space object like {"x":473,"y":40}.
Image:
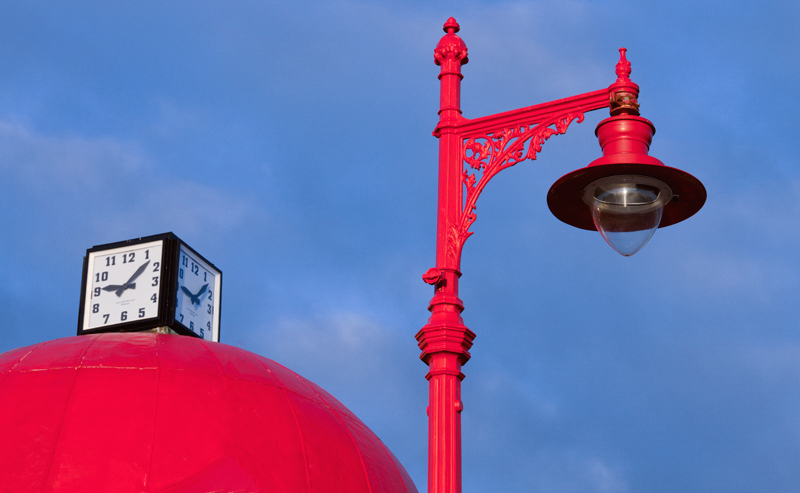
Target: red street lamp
{"x":625,"y":195}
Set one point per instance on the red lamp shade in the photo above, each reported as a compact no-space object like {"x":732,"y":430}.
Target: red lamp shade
{"x":142,"y":412}
{"x":625,"y":140}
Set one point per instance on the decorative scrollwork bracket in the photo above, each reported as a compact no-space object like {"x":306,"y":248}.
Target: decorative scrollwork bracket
{"x":487,"y":154}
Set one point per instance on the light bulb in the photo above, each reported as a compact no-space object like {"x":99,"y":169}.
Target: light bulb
{"x":626,"y":209}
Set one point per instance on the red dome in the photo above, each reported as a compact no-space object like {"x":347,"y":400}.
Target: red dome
{"x":142,"y":412}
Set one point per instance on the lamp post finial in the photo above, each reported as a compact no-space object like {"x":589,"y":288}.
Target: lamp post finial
{"x":623,"y":67}
{"x":451,"y":24}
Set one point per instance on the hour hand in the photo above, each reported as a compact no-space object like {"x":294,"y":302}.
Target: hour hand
{"x":118,"y":290}
{"x":187,"y":292}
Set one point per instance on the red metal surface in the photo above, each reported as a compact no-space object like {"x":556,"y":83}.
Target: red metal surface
{"x":471,"y":152}
{"x":141,"y":412}
{"x":625,"y":138}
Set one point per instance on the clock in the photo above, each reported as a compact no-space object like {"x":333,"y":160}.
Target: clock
{"x":197,"y":297}
{"x":149,"y":283}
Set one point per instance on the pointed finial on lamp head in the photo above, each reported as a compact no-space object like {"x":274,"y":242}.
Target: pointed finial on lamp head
{"x":451,"y":24}
{"x":623,"y":93}
{"x":623,"y":67}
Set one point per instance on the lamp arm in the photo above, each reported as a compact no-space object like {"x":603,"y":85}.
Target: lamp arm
{"x":531,"y":115}
{"x":496,"y":142}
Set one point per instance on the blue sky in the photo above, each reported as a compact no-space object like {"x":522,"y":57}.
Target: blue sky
{"x":290,"y":143}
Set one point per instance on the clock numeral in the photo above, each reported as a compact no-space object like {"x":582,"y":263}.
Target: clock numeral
{"x":105,"y":319}
{"x":128,"y":257}
{"x":210,"y":309}
{"x":185,"y":261}
{"x":202,"y":334}
{"x":191,"y":326}
{"x":181,"y":317}
{"x":210,"y":295}
{"x":147,"y":254}
{"x":180,"y":273}
{"x":96,"y":308}
{"x":154,"y":298}
{"x":101,"y":277}
{"x":141,"y":312}
{"x":96,"y":291}
{"x":156,"y":266}
{"x":205,"y":276}
{"x":123,"y":316}
{"x":112,"y":260}
{"x":155,"y":281}
{"x":195,"y":269}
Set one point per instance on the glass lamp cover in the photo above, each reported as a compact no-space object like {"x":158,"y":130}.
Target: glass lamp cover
{"x":626,"y":209}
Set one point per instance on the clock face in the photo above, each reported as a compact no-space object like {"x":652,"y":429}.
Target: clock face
{"x":122,"y":285}
{"x":197,"y":298}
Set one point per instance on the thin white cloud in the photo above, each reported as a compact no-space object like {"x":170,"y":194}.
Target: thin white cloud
{"x":111,"y":189}
{"x":774,"y":362}
{"x":346,"y":343}
{"x":603,"y":478}
{"x":76,"y":164}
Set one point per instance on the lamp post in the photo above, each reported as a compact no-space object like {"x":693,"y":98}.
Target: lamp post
{"x":625,"y":195}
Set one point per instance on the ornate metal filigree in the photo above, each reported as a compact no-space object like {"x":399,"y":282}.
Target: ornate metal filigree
{"x":450,"y":49}
{"x":491,"y":153}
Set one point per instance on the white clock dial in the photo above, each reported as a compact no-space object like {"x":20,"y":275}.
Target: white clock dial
{"x":122,"y":285}
{"x":197,"y":299}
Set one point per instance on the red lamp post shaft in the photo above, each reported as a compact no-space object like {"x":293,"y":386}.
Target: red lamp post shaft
{"x":471,"y":152}
{"x":445,"y":340}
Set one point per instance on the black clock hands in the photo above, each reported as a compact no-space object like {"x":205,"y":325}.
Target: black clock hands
{"x":119,"y":289}
{"x":195,"y":298}
{"x":188,"y":293}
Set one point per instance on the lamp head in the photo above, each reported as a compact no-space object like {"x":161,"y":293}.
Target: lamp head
{"x":626,"y":194}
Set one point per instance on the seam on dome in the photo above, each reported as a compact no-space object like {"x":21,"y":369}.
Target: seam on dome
{"x":155,"y":418}
{"x":216,"y":361}
{"x":6,"y":374}
{"x":321,"y":399}
{"x":35,"y":347}
{"x":99,"y":367}
{"x":222,"y":375}
{"x":339,"y":418}
{"x":280,"y":384}
{"x":64,"y":413}
{"x":159,"y":381}
{"x":394,"y":460}
{"x":304,"y":382}
{"x":294,"y":414}
{"x":358,"y":450}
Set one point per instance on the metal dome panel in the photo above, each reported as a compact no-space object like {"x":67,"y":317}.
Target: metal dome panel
{"x":163,"y":413}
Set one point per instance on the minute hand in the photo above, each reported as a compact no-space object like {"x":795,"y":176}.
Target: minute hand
{"x":130,"y":283}
{"x":138,"y":272}
{"x":200,"y":293}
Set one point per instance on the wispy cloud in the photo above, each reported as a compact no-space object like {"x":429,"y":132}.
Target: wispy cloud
{"x":111,"y":188}
{"x":48,"y":164}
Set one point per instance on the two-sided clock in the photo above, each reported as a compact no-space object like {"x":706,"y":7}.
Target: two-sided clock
{"x":146,"y":283}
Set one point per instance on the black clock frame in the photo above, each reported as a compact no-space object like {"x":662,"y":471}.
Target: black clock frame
{"x":167,"y":294}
